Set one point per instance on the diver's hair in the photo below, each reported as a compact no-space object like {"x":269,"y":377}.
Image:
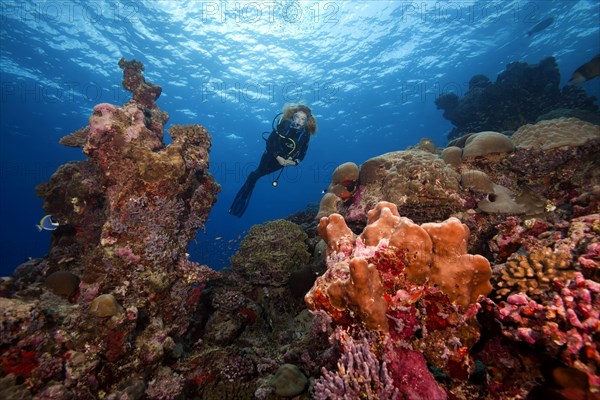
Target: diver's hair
{"x":290,"y":109}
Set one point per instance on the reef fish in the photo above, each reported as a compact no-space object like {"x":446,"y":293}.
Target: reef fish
{"x":587,"y":71}
{"x":47,"y":223}
{"x":541,"y":26}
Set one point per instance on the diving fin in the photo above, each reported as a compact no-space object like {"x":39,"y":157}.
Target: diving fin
{"x":242,"y":199}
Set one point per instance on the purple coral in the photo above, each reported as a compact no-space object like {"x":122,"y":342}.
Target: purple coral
{"x":360,"y":375}
{"x":566,"y":325}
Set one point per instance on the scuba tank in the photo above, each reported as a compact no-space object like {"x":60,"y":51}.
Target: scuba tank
{"x":285,"y":144}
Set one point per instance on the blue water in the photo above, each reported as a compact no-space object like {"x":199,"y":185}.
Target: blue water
{"x":370,"y":70}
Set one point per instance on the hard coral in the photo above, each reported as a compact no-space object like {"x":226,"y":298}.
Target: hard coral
{"x":289,"y":381}
{"x":452,"y":155}
{"x":520,"y":94}
{"x":337,"y":235}
{"x":345,"y":174}
{"x":484,"y":143}
{"x":477,"y":181}
{"x":18,"y":319}
{"x":463,"y":277}
{"x":534,"y":273}
{"x":329,"y":205}
{"x":362,"y":293}
{"x":418,"y":182}
{"x":165,"y":385}
{"x":271,"y":252}
{"x":144,"y":92}
{"x":343,"y":185}
{"x":550,"y":134}
{"x":385,"y":223}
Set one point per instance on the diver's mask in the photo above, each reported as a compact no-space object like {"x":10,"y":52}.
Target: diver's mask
{"x":299,"y":120}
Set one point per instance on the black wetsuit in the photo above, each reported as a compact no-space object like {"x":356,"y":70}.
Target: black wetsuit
{"x":284,"y":141}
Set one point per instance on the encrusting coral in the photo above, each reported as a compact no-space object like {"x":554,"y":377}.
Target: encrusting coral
{"x":566,"y":325}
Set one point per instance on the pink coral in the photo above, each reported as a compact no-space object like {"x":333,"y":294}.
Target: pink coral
{"x":409,"y":372}
{"x":566,"y":325}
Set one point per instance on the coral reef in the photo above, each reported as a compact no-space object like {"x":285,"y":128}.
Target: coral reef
{"x":289,"y":381}
{"x":116,"y":288}
{"x":395,"y":306}
{"x":342,"y":187}
{"x":520,"y":95}
{"x":433,"y":251}
{"x":329,"y":204}
{"x":532,"y":211}
{"x":535,"y":273}
{"x":343,"y":179}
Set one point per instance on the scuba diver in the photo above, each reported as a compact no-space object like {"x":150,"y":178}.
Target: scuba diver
{"x":286,"y":146}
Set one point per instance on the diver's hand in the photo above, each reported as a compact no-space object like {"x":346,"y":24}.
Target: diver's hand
{"x":285,"y":162}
